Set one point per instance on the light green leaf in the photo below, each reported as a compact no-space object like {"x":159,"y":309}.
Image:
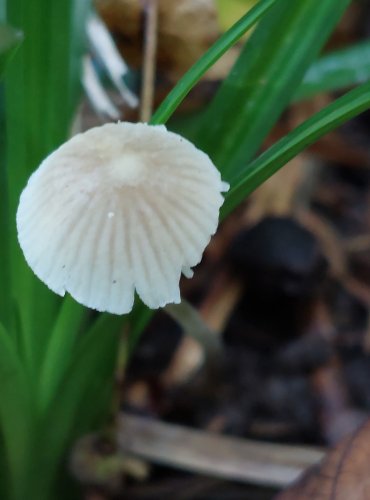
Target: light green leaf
{"x":337,"y":70}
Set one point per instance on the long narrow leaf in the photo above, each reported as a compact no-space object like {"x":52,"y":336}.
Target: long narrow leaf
{"x":82,"y":397}
{"x":261,"y":84}
{"x":60,"y":349}
{"x":41,"y":87}
{"x":10,"y":39}
{"x":16,"y":417}
{"x":331,"y":117}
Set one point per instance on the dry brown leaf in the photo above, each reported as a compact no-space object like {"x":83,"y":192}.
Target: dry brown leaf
{"x":337,"y":418}
{"x":186,"y":28}
{"x":343,"y":475}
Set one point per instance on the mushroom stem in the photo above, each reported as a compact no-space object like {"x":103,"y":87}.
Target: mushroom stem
{"x":192,"y":323}
{"x":149,"y":62}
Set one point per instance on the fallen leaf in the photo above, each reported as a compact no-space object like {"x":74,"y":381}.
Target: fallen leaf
{"x":343,"y":474}
{"x":186,"y":29}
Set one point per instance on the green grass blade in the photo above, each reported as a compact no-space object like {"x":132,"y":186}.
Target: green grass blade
{"x":41,"y":85}
{"x":80,"y":403}
{"x":336,"y":71}
{"x":260,"y":86}
{"x":82,"y":398}
{"x":329,"y":118}
{"x":10,"y":39}
{"x":195,"y":73}
{"x":60,"y":349}
{"x":6,"y":312}
{"x":16,"y":417}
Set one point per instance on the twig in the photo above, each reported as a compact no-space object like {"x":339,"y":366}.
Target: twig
{"x":214,"y":455}
{"x":149,"y":62}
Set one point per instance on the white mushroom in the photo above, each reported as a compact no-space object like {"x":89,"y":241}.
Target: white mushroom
{"x":120,"y":207}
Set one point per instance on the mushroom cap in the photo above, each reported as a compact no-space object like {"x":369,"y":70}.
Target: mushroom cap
{"x":120,"y":207}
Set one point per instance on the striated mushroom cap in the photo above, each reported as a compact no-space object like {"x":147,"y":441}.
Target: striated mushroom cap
{"x":117,"y":208}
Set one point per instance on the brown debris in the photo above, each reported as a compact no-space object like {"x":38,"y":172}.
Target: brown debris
{"x":343,"y":475}
{"x":211,"y":454}
{"x":178,"y":46}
